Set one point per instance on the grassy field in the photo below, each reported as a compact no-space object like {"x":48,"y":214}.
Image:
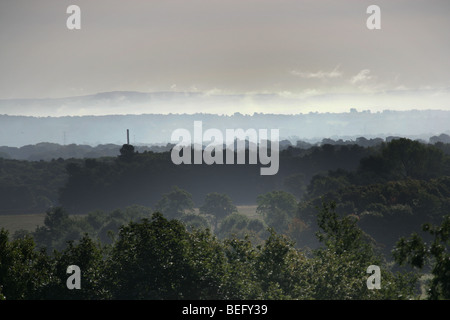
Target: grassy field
{"x":249,"y":211}
{"x":16,"y":222}
{"x":29,"y":222}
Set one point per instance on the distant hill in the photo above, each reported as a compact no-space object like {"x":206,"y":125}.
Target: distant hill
{"x":154,"y":127}
{"x":17,"y":131}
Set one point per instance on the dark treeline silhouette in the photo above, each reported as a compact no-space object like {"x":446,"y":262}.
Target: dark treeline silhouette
{"x":141,"y":178}
{"x":107,"y":183}
{"x":111,"y":182}
{"x":48,"y":151}
{"x":392,"y":192}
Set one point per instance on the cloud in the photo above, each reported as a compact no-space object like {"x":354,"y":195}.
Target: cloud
{"x":361,"y":77}
{"x":318,"y":75}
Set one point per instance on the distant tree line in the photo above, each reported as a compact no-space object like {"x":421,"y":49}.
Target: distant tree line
{"x":47,"y":151}
{"x":141,"y":178}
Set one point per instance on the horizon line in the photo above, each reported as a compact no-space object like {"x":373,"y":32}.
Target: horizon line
{"x":365,"y":111}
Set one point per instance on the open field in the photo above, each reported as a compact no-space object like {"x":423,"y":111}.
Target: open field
{"x":29,"y":222}
{"x":249,"y":211}
{"x":16,"y":222}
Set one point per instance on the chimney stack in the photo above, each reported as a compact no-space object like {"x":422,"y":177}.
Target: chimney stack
{"x":128,"y":136}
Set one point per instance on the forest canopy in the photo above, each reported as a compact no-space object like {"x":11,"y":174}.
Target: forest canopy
{"x":331,"y":210}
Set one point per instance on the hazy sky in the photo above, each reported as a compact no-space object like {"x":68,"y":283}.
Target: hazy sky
{"x":317,"y":53}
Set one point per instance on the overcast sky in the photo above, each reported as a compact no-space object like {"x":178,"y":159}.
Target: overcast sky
{"x":318,"y":53}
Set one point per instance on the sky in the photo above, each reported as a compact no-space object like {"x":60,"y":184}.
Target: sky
{"x":313,"y":55}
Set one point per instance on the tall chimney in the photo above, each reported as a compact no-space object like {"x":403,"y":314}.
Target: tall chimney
{"x":128,"y":136}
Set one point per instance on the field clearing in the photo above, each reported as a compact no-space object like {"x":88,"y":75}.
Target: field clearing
{"x":16,"y":222}
{"x":249,"y":211}
{"x":29,"y":222}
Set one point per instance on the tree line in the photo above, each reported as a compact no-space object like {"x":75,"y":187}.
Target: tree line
{"x":83,"y":185}
{"x":159,"y":258}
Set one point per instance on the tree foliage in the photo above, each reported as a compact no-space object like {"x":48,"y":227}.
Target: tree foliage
{"x":218,"y":205}
{"x":419,"y":254}
{"x":157,"y":258}
{"x":277,"y":208}
{"x":133,"y":252}
{"x":175,"y":203}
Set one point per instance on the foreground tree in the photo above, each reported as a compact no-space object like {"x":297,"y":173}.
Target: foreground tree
{"x":417,"y":253}
{"x":87,"y":254}
{"x":340,"y":268}
{"x":23,"y":269}
{"x":159,"y":259}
